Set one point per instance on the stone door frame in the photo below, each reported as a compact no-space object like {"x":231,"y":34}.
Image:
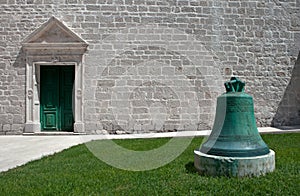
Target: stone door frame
{"x":53,"y":44}
{"x":33,"y":123}
{"x":33,"y":103}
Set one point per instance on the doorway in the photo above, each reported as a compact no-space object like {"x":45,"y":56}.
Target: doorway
{"x":56,"y":87}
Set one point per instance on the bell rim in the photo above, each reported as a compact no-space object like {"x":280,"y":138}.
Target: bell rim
{"x":235,"y":153}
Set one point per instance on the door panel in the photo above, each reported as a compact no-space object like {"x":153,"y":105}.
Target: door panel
{"x":56,"y":97}
{"x":50,"y":120}
{"x":66,"y":87}
{"x":49,"y":98}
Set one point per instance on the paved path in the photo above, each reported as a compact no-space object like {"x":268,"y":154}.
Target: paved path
{"x":20,"y":149}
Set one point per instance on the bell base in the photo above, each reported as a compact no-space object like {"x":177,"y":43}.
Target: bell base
{"x":231,"y":152}
{"x":213,"y":165}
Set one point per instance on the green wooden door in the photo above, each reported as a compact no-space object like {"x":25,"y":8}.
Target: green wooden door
{"x":56,"y":98}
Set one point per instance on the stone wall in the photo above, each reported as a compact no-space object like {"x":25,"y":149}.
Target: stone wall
{"x":158,"y":65}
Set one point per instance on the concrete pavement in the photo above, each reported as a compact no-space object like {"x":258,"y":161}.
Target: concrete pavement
{"x":19,"y":149}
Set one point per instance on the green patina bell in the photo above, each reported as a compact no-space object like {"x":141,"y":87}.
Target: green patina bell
{"x":234,"y":133}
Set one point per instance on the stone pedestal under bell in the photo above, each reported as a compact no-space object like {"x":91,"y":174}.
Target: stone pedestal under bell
{"x":213,"y":165}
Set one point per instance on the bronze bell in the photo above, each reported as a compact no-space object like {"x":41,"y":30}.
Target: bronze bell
{"x":234,"y":133}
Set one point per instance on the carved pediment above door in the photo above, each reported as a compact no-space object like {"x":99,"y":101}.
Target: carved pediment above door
{"x":54,"y":34}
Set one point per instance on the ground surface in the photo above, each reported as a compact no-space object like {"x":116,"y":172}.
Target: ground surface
{"x":18,"y":150}
{"x":77,"y":171}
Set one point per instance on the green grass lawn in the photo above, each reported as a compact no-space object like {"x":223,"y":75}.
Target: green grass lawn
{"x":76,"y":171}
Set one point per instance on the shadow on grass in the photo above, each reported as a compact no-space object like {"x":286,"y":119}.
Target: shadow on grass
{"x":190,"y":168}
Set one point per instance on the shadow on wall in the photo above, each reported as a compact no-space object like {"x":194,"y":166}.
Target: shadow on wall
{"x":20,"y":60}
{"x":288,"y":111}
